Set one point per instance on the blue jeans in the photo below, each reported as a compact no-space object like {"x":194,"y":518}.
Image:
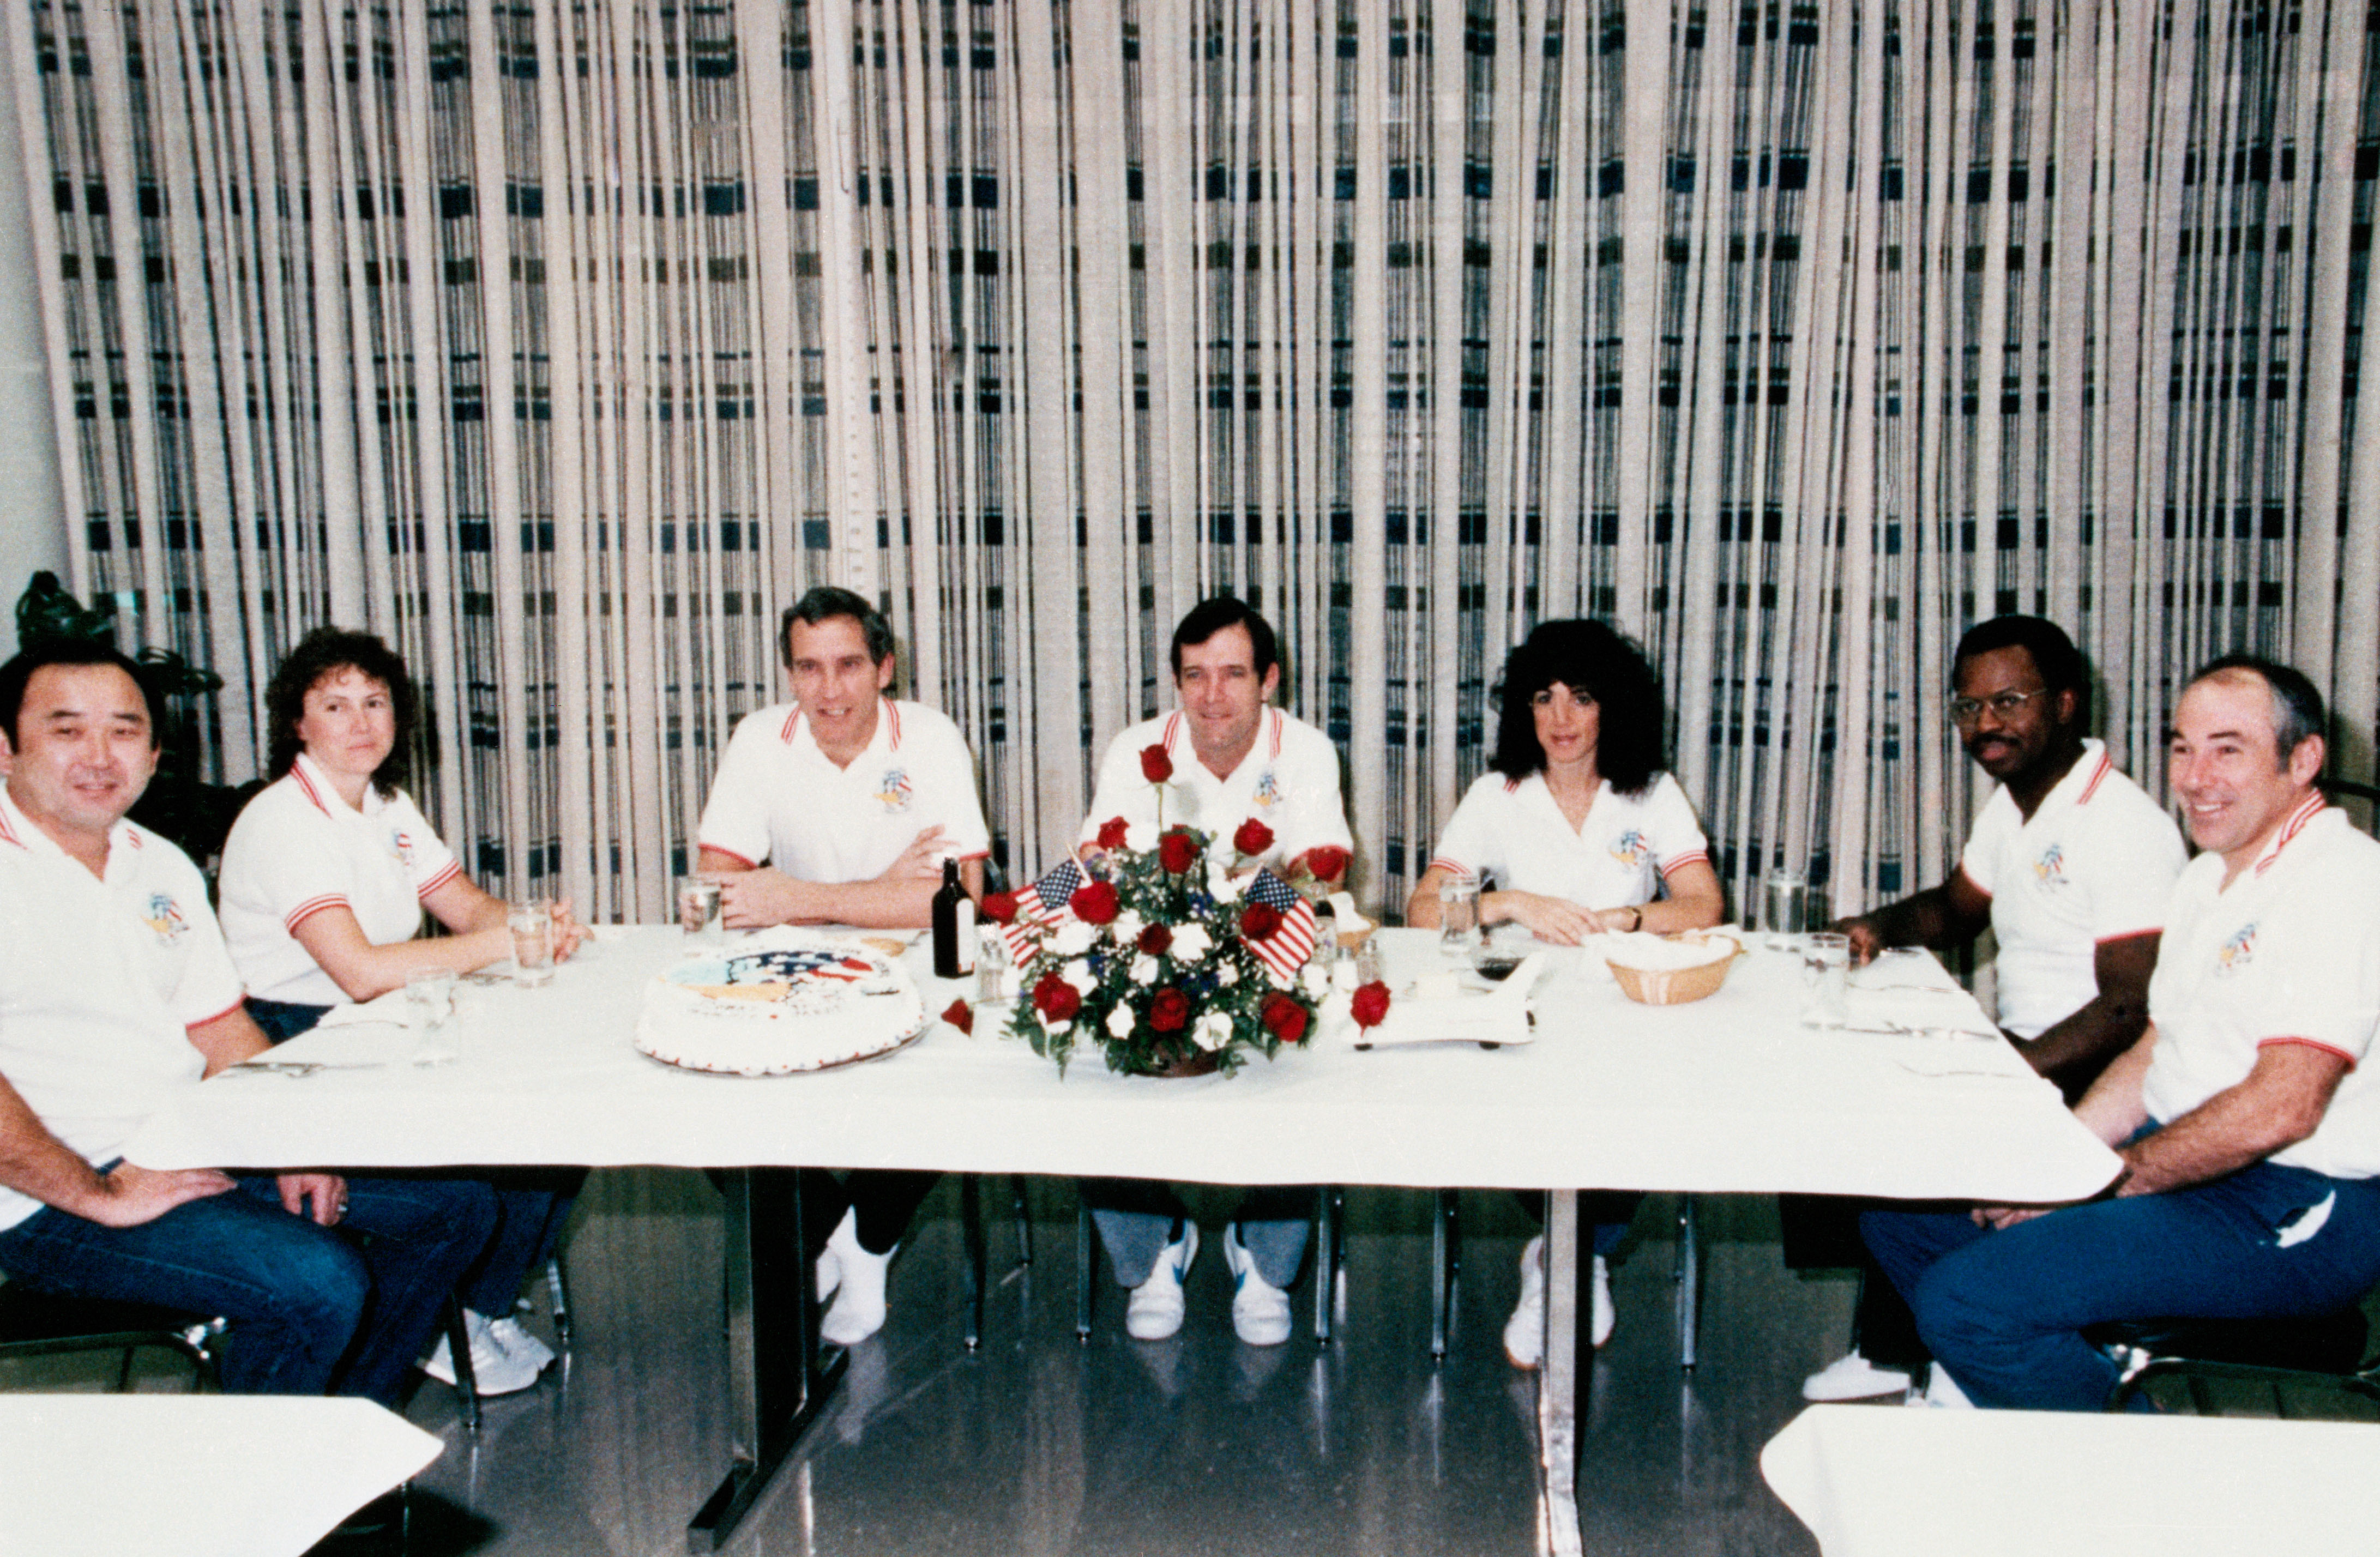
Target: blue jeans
{"x":532,"y":1204}
{"x":1135,"y":1220}
{"x":2004,"y":1310}
{"x":312,"y":1308}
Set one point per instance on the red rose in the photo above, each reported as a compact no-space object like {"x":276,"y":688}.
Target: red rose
{"x":1111,"y":832}
{"x":1328,"y":861}
{"x":1156,"y":940}
{"x":1253,"y":838}
{"x":1000,"y":907}
{"x":1258,"y":920}
{"x":1169,"y":1010}
{"x":1056,"y":999}
{"x":1371,"y":1004}
{"x":1095,"y":903}
{"x":1155,"y":765}
{"x":1283,"y":1017}
{"x":960,"y":1015}
{"x":1177,"y":851}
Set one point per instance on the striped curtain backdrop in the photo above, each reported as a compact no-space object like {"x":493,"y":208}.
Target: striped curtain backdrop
{"x":565,"y":344}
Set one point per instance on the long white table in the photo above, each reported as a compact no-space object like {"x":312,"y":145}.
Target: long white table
{"x":192,"y":1476}
{"x":1728,"y":1094}
{"x":1877,"y":1482}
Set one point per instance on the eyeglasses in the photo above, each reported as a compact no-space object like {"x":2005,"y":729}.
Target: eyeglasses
{"x":1966,"y":711}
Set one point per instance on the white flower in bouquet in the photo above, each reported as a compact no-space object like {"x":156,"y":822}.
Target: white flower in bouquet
{"x":1316,"y":979}
{"x":1120,"y":1020}
{"x":1140,"y":836}
{"x":1055,"y":1030}
{"x":1219,"y":884}
{"x":1227,"y":975}
{"x":1078,"y":973}
{"x":1073,"y":938}
{"x":1127,"y":927}
{"x":1214,"y":1031}
{"x":1190,"y":943}
{"x":1144,"y":969}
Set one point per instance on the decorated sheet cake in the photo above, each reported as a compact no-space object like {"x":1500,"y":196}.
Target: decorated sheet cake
{"x":783,"y":1000}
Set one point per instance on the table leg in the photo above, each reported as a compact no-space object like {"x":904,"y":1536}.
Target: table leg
{"x":776,"y":1382}
{"x":1558,"y":1382}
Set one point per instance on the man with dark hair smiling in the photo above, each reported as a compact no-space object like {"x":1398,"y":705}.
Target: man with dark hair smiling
{"x":115,"y":993}
{"x":2250,"y":1130}
{"x":1230,"y":759}
{"x":2068,"y":863}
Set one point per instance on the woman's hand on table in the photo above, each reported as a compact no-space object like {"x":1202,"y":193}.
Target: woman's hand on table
{"x":569,"y":933}
{"x":1553,"y":919}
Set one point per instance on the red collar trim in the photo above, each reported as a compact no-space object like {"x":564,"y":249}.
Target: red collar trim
{"x":2312,"y":807}
{"x":891,"y":712}
{"x":1277,"y":727}
{"x":9,"y":833}
{"x":298,"y":772}
{"x":2106,"y":765}
{"x":793,"y":723}
{"x":1173,"y":728}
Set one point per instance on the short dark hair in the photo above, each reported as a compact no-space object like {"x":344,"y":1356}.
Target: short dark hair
{"x":326,"y":651}
{"x":825,"y":602}
{"x":1595,"y":660}
{"x":2044,"y":642}
{"x":2298,"y":713}
{"x":42,"y":653}
{"x":1210,"y":616}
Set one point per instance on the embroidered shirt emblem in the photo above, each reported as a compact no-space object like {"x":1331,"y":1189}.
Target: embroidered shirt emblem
{"x":164,"y":917}
{"x":2051,"y":868}
{"x":894,"y":791}
{"x":1268,"y":789}
{"x":1631,"y":847}
{"x":400,"y":843}
{"x":2236,"y":953}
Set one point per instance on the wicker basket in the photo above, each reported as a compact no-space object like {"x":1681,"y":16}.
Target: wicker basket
{"x":1675,"y":986}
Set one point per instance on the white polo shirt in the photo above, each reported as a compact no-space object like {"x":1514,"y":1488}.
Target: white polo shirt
{"x":2095,"y":863}
{"x":2289,"y":952}
{"x":1289,"y":781}
{"x":297,"y":849}
{"x":100,"y":982}
{"x":1616,"y":858}
{"x":779,"y":800}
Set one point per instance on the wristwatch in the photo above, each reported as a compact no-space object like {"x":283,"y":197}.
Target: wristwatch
{"x":1637,"y":923}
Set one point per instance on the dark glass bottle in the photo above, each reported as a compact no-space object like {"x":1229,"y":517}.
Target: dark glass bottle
{"x":953,"y":926}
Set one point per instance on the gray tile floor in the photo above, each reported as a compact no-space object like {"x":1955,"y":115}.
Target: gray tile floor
{"x":1038,"y":1444}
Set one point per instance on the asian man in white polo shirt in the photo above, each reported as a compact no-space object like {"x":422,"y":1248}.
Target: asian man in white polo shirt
{"x":839,"y":808}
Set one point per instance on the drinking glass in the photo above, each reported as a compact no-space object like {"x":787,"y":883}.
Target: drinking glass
{"x":699,"y":911}
{"x":995,"y":970}
{"x":532,"y":927}
{"x":1784,"y":900}
{"x":1458,"y":917}
{"x":430,"y":1012}
{"x":1827,"y":968}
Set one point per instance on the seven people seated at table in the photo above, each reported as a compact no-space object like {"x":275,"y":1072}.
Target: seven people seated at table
{"x":2225,"y":1070}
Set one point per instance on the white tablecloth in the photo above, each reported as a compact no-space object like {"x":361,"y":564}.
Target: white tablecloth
{"x":192,"y":1476}
{"x":1877,"y":1481}
{"x":1728,"y":1094}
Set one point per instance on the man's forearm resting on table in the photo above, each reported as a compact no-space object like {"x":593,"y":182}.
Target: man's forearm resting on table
{"x":1938,"y":917}
{"x":2109,"y":1022}
{"x":885,"y":903}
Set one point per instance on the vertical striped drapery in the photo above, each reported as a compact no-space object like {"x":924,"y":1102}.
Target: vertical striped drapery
{"x":565,"y":344}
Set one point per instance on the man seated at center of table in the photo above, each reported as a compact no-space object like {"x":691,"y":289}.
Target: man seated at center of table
{"x":839,"y":808}
{"x":2069,"y":864}
{"x":1234,"y":757}
{"x":117,"y":995}
{"x":1586,"y":831}
{"x":2249,"y":1128}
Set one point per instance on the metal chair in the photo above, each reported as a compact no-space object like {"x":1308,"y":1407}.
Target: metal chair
{"x":44,"y":1324}
{"x":2282,"y":1355}
{"x":977,"y":1276}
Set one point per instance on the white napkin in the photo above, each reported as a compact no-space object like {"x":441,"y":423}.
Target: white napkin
{"x":1648,"y":953}
{"x":388,"y":1008}
{"x":1342,"y":907}
{"x":1501,"y":1015}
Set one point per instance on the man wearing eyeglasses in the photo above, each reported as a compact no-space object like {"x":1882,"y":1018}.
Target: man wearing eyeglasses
{"x":2069,"y":865}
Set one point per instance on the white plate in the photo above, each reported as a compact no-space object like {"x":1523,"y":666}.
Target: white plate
{"x":791,"y":1067}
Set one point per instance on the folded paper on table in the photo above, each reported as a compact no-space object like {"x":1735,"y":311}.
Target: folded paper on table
{"x":1501,"y":1015}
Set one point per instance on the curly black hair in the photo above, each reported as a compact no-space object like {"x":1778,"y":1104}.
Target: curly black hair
{"x":326,"y":651}
{"x":1596,"y":663}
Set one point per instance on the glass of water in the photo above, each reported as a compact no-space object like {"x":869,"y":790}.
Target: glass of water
{"x":1827,"y":968}
{"x":430,"y":1012}
{"x":1785,"y":899}
{"x":1458,"y":917}
{"x":699,"y":911}
{"x":533,"y":928}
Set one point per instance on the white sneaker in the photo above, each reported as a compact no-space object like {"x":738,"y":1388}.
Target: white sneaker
{"x":858,"y":1310}
{"x":494,"y":1371}
{"x":517,"y":1340}
{"x":1155,"y":1310}
{"x":1852,"y":1376}
{"x":1941,"y":1392}
{"x":1524,"y":1332}
{"x":1259,"y":1310}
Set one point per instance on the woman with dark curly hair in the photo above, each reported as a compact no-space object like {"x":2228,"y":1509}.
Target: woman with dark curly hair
{"x":1575,"y":819}
{"x":1585,"y":832}
{"x":324,"y":879}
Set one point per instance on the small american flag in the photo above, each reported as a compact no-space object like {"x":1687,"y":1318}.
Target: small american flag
{"x":1285,"y":950}
{"x":1041,"y":908}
